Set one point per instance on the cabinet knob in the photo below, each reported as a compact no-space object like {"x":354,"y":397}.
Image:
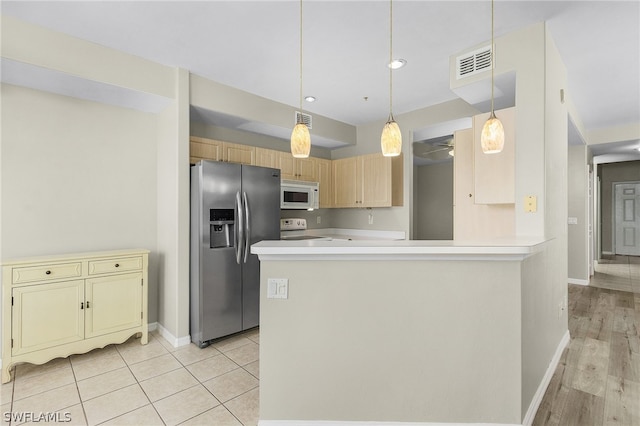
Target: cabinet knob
{"x":48,"y":272}
{"x":117,"y":265}
{"x":81,"y":305}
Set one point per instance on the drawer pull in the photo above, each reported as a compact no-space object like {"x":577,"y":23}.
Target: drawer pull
{"x":117,"y":265}
{"x":48,"y":272}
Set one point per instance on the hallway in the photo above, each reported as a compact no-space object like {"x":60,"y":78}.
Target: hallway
{"x":597,"y":381}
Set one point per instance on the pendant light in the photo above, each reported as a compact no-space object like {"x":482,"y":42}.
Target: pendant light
{"x":492,"y":136}
{"x":391,"y":139}
{"x":300,"y":137}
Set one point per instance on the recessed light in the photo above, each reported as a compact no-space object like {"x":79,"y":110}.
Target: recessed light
{"x":397,"y":63}
{"x":310,"y":98}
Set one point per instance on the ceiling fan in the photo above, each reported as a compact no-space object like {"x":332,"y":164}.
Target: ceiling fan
{"x":436,"y":149}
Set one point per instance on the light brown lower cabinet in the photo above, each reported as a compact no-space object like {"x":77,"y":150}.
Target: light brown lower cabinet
{"x":63,"y":305}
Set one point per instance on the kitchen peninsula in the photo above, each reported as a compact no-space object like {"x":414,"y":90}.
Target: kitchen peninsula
{"x":405,"y":331}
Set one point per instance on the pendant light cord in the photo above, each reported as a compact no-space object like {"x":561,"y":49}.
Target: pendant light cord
{"x":493,"y":59}
{"x":299,"y":120}
{"x":390,"y":60}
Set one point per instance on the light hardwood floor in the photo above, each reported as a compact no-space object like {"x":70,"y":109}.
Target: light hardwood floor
{"x":597,"y":381}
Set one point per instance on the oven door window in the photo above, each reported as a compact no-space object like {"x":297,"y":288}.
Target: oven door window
{"x":296,"y":197}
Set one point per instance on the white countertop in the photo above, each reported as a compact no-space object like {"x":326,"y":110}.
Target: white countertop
{"x":494,"y":249}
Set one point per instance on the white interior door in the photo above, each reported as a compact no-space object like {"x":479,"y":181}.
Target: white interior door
{"x":627,"y":218}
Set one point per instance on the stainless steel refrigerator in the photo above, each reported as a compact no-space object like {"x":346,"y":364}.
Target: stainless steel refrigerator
{"x":232,"y":207}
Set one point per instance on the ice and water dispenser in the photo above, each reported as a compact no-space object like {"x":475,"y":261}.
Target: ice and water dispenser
{"x":221,"y":227}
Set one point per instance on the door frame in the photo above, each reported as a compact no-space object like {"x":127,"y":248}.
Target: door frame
{"x":613,"y":208}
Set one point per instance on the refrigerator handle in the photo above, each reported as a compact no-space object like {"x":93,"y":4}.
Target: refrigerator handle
{"x":238,"y":235}
{"x":247,"y":228}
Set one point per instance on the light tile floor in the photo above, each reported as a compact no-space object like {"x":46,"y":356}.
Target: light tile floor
{"x":134,"y":384}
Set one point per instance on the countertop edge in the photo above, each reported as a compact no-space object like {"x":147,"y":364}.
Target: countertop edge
{"x":498,"y":250}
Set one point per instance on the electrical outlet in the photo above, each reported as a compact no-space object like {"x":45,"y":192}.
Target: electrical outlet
{"x":318,"y":220}
{"x":370,"y":218}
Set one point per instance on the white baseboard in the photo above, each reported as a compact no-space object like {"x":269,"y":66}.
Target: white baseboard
{"x":542,"y":388}
{"x":578,"y":281}
{"x":176,"y":342}
{"x":152,"y":326}
{"x":609,"y":253}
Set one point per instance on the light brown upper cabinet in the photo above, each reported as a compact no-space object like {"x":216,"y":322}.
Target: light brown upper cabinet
{"x":297,"y":168}
{"x":267,"y":158}
{"x":494,"y":174}
{"x":368,"y":181}
{"x":236,"y":153}
{"x":326,"y":183}
{"x":211,"y":149}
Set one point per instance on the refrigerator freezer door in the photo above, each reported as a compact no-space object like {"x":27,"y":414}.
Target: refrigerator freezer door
{"x":217,"y":309}
{"x":262,"y":188}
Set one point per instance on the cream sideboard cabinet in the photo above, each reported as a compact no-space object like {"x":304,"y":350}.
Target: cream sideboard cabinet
{"x":62,"y":305}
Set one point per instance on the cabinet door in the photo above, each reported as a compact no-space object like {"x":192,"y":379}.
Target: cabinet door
{"x":345,"y":190}
{"x":306,"y":169}
{"x":46,"y":315}
{"x":287,"y":166}
{"x":207,"y":149}
{"x":325,"y":181}
{"x":113,"y":303}
{"x":241,"y":154}
{"x":266,"y":158}
{"x":375,"y":179}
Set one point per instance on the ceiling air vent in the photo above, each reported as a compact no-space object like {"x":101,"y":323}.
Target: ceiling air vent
{"x":305,"y":118}
{"x":473,"y":62}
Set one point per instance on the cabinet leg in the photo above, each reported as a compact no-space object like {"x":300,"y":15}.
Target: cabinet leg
{"x":144,"y":339}
{"x":6,"y":374}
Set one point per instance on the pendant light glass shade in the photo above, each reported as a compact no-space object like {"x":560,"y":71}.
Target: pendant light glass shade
{"x":492,"y":136}
{"x":300,"y":141}
{"x":300,"y":137}
{"x":391,"y":139}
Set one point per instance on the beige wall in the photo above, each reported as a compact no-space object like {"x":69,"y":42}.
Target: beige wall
{"x":111,"y":149}
{"x":348,"y":346}
{"x":173,"y":188}
{"x":77,"y":176}
{"x":433,"y":202}
{"x":628,"y":171}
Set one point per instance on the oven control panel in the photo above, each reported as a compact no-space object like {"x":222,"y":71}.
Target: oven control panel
{"x":293,"y":224}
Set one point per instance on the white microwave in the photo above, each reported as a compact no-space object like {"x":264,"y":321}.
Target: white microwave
{"x":298,"y":195}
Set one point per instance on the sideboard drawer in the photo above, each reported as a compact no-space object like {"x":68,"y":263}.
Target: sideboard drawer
{"x":46,"y":272}
{"x":123,"y":264}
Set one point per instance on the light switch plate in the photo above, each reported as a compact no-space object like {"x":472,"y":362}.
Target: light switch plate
{"x":572,"y":221}
{"x":277,"y":288}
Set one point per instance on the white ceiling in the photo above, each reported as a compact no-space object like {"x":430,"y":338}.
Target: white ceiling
{"x":253,"y":46}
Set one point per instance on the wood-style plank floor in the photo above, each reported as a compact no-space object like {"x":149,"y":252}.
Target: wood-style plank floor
{"x":597,"y":381}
